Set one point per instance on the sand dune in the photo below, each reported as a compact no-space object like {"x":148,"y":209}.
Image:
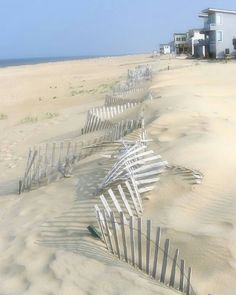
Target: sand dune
{"x":45,"y":246}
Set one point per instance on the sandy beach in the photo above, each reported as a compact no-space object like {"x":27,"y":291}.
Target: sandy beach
{"x":45,"y":245}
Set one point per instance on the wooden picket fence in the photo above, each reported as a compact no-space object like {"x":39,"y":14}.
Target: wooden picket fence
{"x":133,"y":242}
{"x":50,"y":161}
{"x":46,"y":160}
{"x":143,"y":72}
{"x":109,"y":112}
{"x":123,"y":198}
{"x":137,"y":163}
{"x":113,"y":100}
{"x":124,"y":91}
{"x":94,"y":123}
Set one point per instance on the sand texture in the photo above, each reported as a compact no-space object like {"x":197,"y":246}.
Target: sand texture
{"x":45,"y":245}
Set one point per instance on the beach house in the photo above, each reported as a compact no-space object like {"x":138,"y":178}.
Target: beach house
{"x":220,"y":32}
{"x":165,"y":49}
{"x":180,"y":43}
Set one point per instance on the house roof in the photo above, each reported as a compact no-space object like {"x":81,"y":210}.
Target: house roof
{"x":206,"y":11}
{"x":180,"y":34}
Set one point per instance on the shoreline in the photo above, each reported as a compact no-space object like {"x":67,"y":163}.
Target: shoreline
{"x":17,"y":62}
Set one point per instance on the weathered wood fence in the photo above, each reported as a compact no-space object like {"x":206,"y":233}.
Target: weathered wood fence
{"x":113,"y":100}
{"x":137,"y":163}
{"x":94,"y":123}
{"x":50,"y":161}
{"x":141,"y":72}
{"x":128,"y":89}
{"x":138,"y":244}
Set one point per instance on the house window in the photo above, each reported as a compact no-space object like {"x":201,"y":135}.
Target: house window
{"x":219,"y":19}
{"x":184,"y":39}
{"x":219,"y":36}
{"x":212,"y":19}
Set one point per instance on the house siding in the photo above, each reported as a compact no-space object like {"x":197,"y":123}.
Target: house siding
{"x":228,"y":27}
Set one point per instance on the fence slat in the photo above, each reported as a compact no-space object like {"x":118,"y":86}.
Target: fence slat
{"x":181,"y":283}
{"x":132,"y":245}
{"x":157,"y":245}
{"x":148,"y":244}
{"x":164,"y":262}
{"x":101,"y":226}
{"x":115,"y":235}
{"x":122,"y":194}
{"x":123,"y":235}
{"x":173,"y":269}
{"x":188,"y":289}
{"x":116,"y":203}
{"x":132,"y":196}
{"x":108,"y":232}
{"x":140,"y":243}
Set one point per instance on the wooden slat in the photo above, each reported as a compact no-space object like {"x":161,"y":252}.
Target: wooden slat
{"x":173,"y":269}
{"x":140,"y":243}
{"x":148,"y":244}
{"x":108,"y":232}
{"x":116,"y":203}
{"x":105,"y":204}
{"x":127,"y":206}
{"x":100,"y":219}
{"x":132,"y":243}
{"x":115,"y":235}
{"x":137,"y":193}
{"x":123,"y":236}
{"x":132,"y":196}
{"x":164,"y":262}
{"x":181,"y":283}
{"x":188,"y":288}
{"x":157,"y":246}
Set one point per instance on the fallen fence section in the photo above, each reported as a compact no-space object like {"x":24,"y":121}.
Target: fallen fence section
{"x":138,"y":164}
{"x":55,"y":160}
{"x":131,"y":241}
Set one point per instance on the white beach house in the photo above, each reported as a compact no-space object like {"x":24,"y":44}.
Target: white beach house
{"x":165,"y":49}
{"x":220,"y":32}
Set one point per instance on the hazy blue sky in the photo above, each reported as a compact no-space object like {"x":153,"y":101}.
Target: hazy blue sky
{"x":34,"y":28}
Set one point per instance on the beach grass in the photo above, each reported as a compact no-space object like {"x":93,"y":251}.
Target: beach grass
{"x":29,"y":120}
{"x":3,"y":116}
{"x":50,"y":115}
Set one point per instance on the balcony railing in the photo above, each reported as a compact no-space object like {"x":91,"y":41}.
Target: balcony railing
{"x":209,"y":27}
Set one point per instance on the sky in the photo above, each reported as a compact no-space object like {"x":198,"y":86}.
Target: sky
{"x":54,"y":28}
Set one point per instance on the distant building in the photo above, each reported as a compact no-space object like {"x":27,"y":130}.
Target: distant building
{"x":194,"y":39}
{"x":220,"y":32}
{"x":165,"y":49}
{"x":180,"y":43}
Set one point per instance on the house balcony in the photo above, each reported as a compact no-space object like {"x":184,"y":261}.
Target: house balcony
{"x":202,"y":42}
{"x":209,"y":27}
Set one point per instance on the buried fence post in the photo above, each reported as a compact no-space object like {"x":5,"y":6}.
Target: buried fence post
{"x":148,"y":245}
{"x":181,"y":283}
{"x":173,"y":269}
{"x":157,"y":245}
{"x":140,"y":243}
{"x":164,"y":262}
{"x":188,"y":289}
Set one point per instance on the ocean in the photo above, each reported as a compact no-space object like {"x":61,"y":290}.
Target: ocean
{"x":31,"y":61}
